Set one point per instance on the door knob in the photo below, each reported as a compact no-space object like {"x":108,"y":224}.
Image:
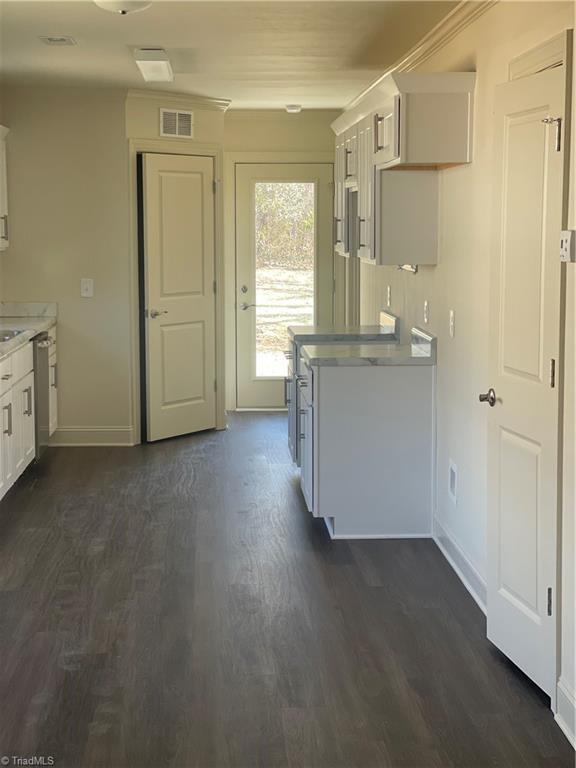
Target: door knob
{"x":156,"y":313}
{"x":489,"y":397}
{"x":246,"y":306}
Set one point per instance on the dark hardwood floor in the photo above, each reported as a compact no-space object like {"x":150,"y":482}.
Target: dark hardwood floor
{"x":175,"y":605}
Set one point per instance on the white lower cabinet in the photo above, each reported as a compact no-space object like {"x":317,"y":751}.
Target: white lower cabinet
{"x":53,"y":368}
{"x":17,"y":416}
{"x":367,"y":447}
{"x":24,"y":421}
{"x":7,"y":441}
{"x":306,"y":424}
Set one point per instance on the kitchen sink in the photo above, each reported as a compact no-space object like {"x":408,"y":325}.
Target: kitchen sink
{"x":8,"y":335}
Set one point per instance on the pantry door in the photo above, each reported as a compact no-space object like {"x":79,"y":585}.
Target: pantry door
{"x":522,"y":409}
{"x":178,"y":219}
{"x":284,"y":269}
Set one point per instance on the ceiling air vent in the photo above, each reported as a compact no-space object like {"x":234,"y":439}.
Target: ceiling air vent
{"x":176,"y":123}
{"x":57,"y":40}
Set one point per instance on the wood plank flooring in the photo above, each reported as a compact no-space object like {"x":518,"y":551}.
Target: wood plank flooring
{"x":174,"y":605}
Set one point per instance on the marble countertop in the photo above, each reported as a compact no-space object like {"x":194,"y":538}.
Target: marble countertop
{"x":30,"y":327}
{"x":421,"y":351}
{"x":332,"y":333}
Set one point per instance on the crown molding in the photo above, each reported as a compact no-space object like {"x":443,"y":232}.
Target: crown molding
{"x":465,"y":13}
{"x":171,"y":97}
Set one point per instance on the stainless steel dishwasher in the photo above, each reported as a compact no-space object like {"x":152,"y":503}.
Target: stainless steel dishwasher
{"x":42,"y":344}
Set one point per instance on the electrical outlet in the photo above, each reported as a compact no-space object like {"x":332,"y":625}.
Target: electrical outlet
{"x":86,"y":287}
{"x":452,"y":323}
{"x":568,"y":245}
{"x":426,"y":312}
{"x":389,"y":296}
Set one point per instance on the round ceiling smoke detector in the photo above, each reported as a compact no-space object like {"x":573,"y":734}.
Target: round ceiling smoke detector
{"x":123,"y":7}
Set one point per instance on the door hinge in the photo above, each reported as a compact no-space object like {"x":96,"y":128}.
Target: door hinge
{"x":549,"y":601}
{"x":552,"y":373}
{"x":214,"y":286}
{"x":215,"y":385}
{"x":214,"y":186}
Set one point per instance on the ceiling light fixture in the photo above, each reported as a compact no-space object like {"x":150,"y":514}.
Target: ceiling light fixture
{"x":123,"y":7}
{"x":293,"y":109}
{"x":154,"y":65}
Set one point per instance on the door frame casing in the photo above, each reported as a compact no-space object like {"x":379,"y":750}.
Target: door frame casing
{"x":231,"y":159}
{"x":174,"y":147}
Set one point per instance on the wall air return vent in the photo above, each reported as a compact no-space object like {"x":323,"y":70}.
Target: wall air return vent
{"x":176,"y":123}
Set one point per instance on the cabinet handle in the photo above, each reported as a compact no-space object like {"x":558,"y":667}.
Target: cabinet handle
{"x":5,"y":235}
{"x":7,"y":377}
{"x":378,"y":119}
{"x":360,"y":222}
{"x":28,"y":410}
{"x":287,"y":400}
{"x":8,"y":409}
{"x":336,"y":222}
{"x":55,"y":375}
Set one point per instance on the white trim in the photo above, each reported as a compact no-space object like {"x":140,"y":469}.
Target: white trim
{"x":552,"y":53}
{"x":231,"y":159}
{"x":176,"y":147}
{"x":439,"y":36}
{"x":93,"y":436}
{"x":203,"y":102}
{"x":329,"y":523}
{"x":565,"y":714}
{"x":461,"y":564}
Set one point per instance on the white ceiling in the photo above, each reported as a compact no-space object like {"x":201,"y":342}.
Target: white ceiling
{"x":258,"y":54}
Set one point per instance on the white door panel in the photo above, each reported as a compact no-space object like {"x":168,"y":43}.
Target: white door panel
{"x":180,"y":300}
{"x":525,"y":337}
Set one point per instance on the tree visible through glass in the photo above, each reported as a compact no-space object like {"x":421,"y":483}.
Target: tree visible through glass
{"x":285,"y":240}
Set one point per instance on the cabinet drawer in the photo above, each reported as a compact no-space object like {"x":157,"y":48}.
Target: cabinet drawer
{"x":22,"y":362}
{"x":6,"y":377}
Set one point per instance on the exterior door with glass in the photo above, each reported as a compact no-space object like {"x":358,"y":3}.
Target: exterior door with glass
{"x":284,"y":269}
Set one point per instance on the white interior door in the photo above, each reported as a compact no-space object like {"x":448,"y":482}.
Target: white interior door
{"x":180,"y":298}
{"x":284,"y":269}
{"x":525,"y":338}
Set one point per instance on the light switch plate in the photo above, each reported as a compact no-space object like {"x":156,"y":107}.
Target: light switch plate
{"x":568,"y":245}
{"x":86,"y":287}
{"x":452,"y":323}
{"x":426,"y":312}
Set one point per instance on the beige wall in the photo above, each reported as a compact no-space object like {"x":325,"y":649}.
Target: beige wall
{"x":461,"y":282}
{"x":68,"y":197}
{"x":263,"y":136}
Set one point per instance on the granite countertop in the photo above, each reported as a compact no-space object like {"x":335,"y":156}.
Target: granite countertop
{"x":30,"y":318}
{"x":322,"y":333}
{"x":421,"y":351}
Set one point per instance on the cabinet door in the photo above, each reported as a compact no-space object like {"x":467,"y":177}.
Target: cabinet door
{"x":351,"y":155}
{"x":4,"y":233}
{"x":386,"y":127}
{"x":365,"y":189}
{"x":25,"y":438}
{"x":53,"y":365}
{"x":306,"y":413}
{"x":291,"y":405}
{"x":8,"y":441}
{"x":340,"y":198}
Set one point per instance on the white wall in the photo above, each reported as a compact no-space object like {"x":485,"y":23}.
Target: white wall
{"x":460,"y":281}
{"x":68,"y":197}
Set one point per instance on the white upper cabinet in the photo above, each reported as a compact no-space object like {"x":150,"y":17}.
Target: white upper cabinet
{"x":422,"y":120}
{"x":351,"y":156}
{"x":4,"y":224}
{"x":340,"y":236}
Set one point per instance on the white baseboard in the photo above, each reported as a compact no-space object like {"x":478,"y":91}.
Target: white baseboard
{"x":92,"y":436}
{"x":467,"y":573}
{"x":565,"y":714}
